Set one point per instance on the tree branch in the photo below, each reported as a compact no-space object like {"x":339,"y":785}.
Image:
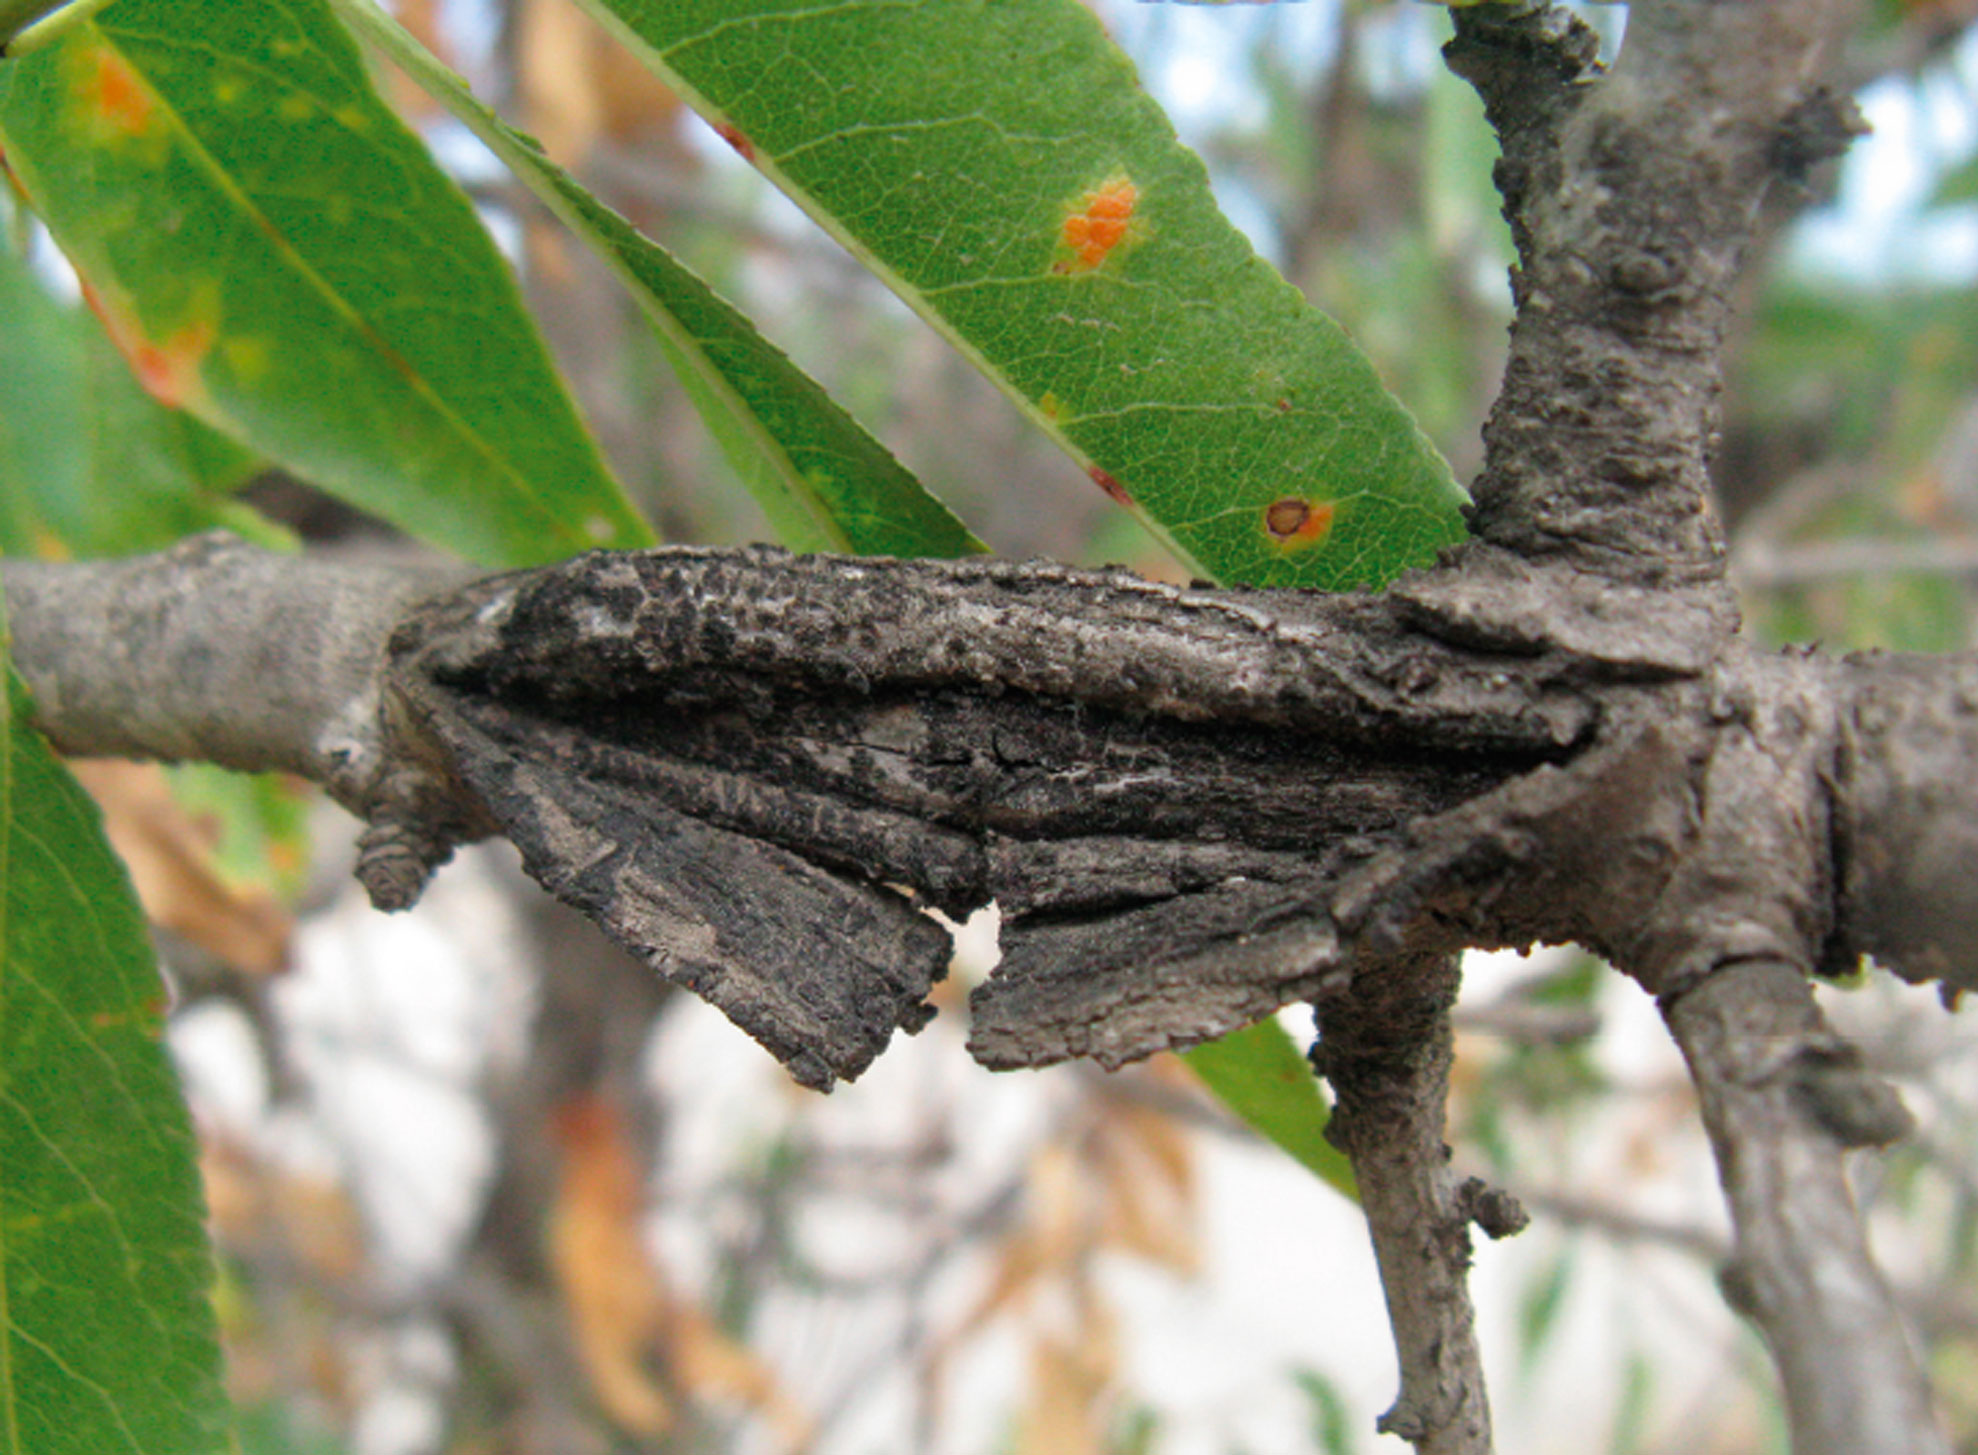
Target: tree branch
{"x":1632,"y":197}
{"x":1385,"y":1045}
{"x":1193,"y":805}
{"x":1783,"y":1102}
{"x":216,"y":652}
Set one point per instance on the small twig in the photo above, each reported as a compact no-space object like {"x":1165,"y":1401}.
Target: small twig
{"x":1781,"y":1114}
{"x":1528,"y":1023}
{"x":1385,"y":1045}
{"x":1771,"y":567}
{"x":18,"y":15}
{"x":1792,"y":505}
{"x":1625,"y":1225}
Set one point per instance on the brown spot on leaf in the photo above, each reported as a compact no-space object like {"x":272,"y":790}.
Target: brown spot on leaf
{"x":114,"y":94}
{"x":1295,"y":521}
{"x":168,"y":368}
{"x":742,"y":145}
{"x":1108,"y":484}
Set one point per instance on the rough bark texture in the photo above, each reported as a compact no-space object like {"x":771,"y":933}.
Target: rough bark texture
{"x":1631,"y":197}
{"x":1195,"y":805}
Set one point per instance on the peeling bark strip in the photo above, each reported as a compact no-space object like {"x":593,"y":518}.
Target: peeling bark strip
{"x":1161,"y":789}
{"x":1193,"y":806}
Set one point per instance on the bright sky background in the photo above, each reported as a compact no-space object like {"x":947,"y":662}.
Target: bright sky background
{"x":1875,"y":230}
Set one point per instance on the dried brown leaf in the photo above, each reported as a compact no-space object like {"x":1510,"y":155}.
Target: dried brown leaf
{"x":1145,"y":1169}
{"x":170,"y":855}
{"x":612,"y":1292}
{"x":1069,"y":1408}
{"x":422,"y":18}
{"x":578,"y":86}
{"x":628,"y":1324}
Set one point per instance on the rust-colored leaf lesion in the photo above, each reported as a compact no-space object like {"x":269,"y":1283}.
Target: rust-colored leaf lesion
{"x":169,"y":368}
{"x":1295,"y":522}
{"x":113,"y":97}
{"x":1097,"y":225}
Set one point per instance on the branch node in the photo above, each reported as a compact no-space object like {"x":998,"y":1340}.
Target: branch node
{"x":1820,"y":128}
{"x":395,"y":858}
{"x":1858,"y":1108}
{"x":1499,"y":1214}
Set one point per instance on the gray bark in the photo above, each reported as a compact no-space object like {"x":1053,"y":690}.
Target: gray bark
{"x":1385,"y":1045}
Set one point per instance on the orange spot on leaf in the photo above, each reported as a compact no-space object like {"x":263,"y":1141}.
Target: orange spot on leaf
{"x":1295,"y":522}
{"x":168,"y":368}
{"x":1097,"y":225}
{"x":1108,"y":484}
{"x":115,"y":93}
{"x":735,"y":139}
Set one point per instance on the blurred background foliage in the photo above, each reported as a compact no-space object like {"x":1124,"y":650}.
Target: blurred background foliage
{"x":624,"y":1233}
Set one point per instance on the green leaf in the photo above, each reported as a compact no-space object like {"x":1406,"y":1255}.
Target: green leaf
{"x":1958,"y":185}
{"x":90,"y":465}
{"x":1539,"y":1307}
{"x":1332,"y":1417}
{"x":1260,"y":1074}
{"x":274,"y":252}
{"x":999,"y":167}
{"x":107,"y":1337}
{"x":823,"y":481}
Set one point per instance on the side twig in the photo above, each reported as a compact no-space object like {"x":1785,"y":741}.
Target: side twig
{"x":1385,"y":1045}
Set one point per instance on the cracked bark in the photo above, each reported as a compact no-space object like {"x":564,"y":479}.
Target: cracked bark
{"x":1197,"y":805}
